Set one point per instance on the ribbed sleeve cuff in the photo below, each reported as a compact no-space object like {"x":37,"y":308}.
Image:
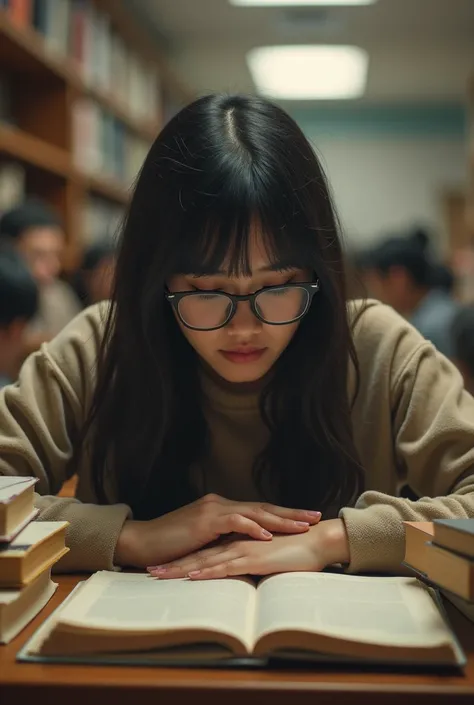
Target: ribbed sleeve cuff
{"x":92,"y":533}
{"x":376,"y":539}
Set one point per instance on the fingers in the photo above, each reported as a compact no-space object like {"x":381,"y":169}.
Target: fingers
{"x":201,"y":560}
{"x":239,"y":524}
{"x":273,"y":522}
{"x":300,"y":515}
{"x":238,"y":566}
{"x":304,"y":515}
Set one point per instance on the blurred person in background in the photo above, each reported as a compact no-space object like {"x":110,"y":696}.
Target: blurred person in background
{"x":442,"y":277}
{"x":463,"y":344}
{"x":94,"y":280}
{"x":18,"y":305}
{"x":35,"y":231}
{"x":401,"y":273}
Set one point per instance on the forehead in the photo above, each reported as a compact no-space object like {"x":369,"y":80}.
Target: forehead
{"x":244,"y":260}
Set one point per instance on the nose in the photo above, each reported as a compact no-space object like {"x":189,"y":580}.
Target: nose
{"x":244,"y":323}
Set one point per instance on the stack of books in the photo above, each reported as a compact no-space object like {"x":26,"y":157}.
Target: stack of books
{"x":442,"y":551}
{"x":28,"y":550}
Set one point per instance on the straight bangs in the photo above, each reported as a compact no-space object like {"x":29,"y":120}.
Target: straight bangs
{"x":218,"y":234}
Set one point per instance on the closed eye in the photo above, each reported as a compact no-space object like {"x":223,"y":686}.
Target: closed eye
{"x":203,"y":296}
{"x":277,"y":292}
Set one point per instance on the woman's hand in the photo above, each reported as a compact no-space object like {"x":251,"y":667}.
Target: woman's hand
{"x":148,"y":543}
{"x":319,"y":547}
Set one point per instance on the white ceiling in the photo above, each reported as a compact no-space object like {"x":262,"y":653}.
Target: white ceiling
{"x":420,"y":50}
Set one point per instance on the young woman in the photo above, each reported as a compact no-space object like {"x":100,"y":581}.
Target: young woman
{"x":230,"y":380}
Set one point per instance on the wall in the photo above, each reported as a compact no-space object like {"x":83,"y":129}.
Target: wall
{"x":389,"y":166}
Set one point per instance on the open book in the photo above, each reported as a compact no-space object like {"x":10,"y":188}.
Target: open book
{"x":380,"y":620}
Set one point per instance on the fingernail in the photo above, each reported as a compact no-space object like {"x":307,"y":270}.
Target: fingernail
{"x":154,"y":567}
{"x":160,"y":571}
{"x":193,"y":573}
{"x":301,"y":523}
{"x":314,"y":514}
{"x":266,"y":534}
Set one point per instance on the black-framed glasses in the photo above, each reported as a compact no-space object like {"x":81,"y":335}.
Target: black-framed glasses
{"x":274,"y":305}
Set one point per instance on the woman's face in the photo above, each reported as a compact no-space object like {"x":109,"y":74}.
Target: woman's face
{"x":245,"y":349}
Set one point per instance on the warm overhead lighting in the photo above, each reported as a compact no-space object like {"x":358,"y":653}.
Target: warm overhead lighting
{"x":309,"y":72}
{"x":296,"y":3}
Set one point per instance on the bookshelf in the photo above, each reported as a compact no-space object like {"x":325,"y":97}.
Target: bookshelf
{"x":83,"y":92}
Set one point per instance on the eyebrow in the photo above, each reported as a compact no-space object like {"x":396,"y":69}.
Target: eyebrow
{"x":275,"y":267}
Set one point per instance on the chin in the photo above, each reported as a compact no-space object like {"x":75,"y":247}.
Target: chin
{"x":237,"y":374}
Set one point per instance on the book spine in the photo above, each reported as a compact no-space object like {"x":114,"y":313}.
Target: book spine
{"x":77,"y":32}
{"x":12,"y":185}
{"x":101,"y":220}
{"x":20,"y":12}
{"x":88,"y":43}
{"x":40,"y":11}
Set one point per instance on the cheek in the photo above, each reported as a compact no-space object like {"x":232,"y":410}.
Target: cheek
{"x":204,"y":343}
{"x":280,"y":336}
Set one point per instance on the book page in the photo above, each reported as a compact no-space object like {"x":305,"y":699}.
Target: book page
{"x":375,"y":610}
{"x":139,"y":603}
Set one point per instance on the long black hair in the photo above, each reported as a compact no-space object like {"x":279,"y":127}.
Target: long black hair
{"x":218,"y":167}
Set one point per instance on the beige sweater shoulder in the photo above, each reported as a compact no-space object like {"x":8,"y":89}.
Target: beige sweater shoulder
{"x":39,"y":417}
{"x":412,"y":423}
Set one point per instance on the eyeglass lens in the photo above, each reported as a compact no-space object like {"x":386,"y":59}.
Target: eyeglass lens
{"x":277,"y":306}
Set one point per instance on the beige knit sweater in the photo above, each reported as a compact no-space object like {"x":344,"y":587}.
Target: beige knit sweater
{"x":412,"y":423}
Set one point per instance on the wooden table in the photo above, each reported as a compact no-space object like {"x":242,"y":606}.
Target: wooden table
{"x":22,"y":683}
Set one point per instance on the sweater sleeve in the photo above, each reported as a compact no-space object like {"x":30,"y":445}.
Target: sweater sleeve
{"x":39,"y":417}
{"x":433,"y":437}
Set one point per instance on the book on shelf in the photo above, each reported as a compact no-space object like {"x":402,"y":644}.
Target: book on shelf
{"x":17,"y":505}
{"x":134,"y":618}
{"x":35,"y":549}
{"x":20,"y":11}
{"x":18,"y":606}
{"x":101,"y":221}
{"x":12,"y":185}
{"x":102,"y":145}
{"x":52,"y":19}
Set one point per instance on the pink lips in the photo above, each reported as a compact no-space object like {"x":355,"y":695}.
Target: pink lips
{"x":243,"y":355}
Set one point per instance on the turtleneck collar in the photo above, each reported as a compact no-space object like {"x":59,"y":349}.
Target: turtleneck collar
{"x":232,"y":396}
